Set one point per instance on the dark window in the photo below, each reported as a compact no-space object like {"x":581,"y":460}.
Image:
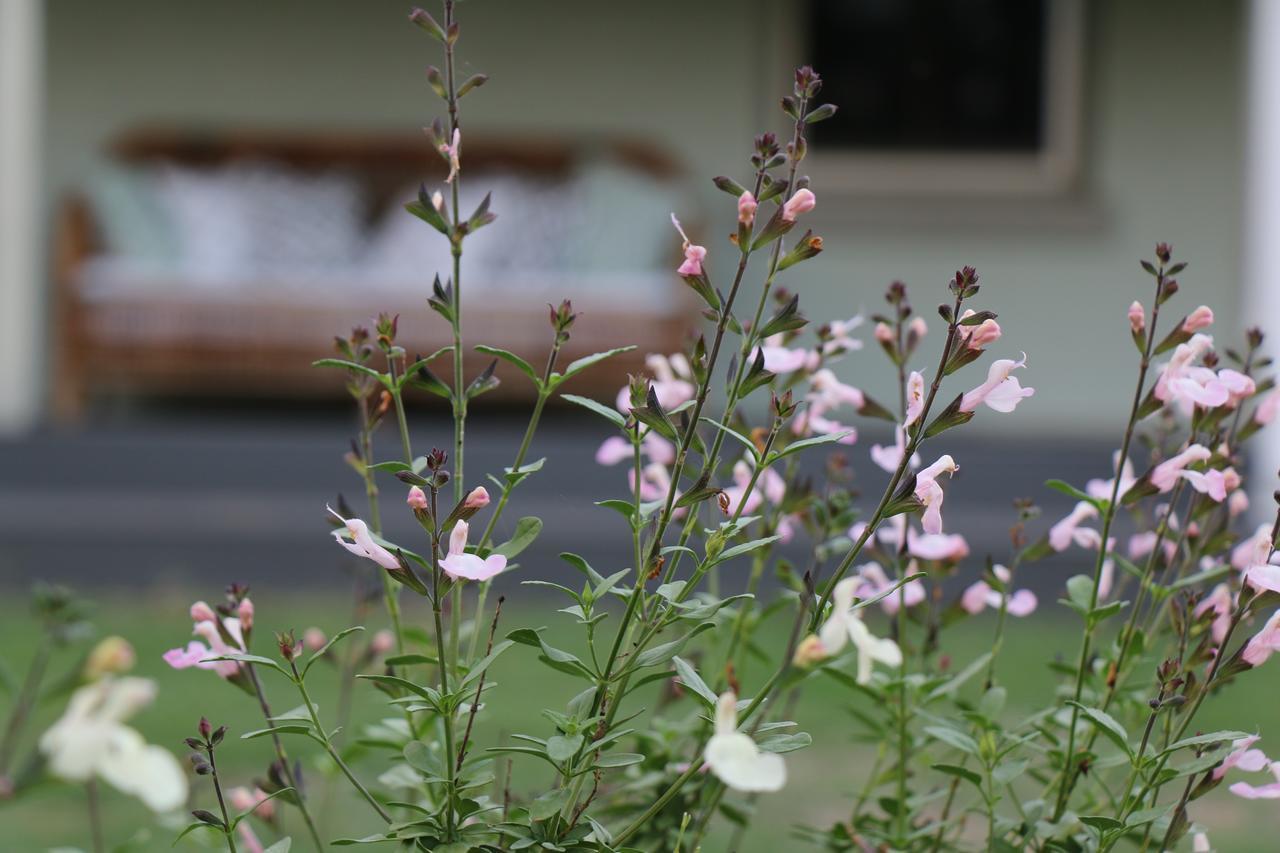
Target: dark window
{"x":948,"y":75}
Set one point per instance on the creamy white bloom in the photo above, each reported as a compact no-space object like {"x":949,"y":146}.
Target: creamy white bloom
{"x":845,"y":625}
{"x":90,"y":740}
{"x":734,"y":757}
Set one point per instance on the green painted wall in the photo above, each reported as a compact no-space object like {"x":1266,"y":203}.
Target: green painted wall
{"x":1163,"y":139}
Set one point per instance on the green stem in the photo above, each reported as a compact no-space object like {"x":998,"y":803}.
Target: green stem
{"x":227,"y":831}
{"x":283,"y":757}
{"x":95,"y":816}
{"x":1068,"y":774}
{"x":24,"y":703}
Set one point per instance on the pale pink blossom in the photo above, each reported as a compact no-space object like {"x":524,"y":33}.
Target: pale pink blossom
{"x":245,"y":613}
{"x":1253,"y":550}
{"x":615,"y":449}
{"x":693,"y":254}
{"x":477,"y":498}
{"x":199,"y":654}
{"x":802,"y":202}
{"x":249,"y":839}
{"x":244,"y":799}
{"x":655,"y":482}
{"x":1267,"y":409}
{"x":1262,"y":644}
{"x":982,"y":335}
{"x":1238,"y":503}
{"x":202,"y":612}
{"x":779,"y":359}
{"x":747,"y":208}
{"x":1165,"y":475}
{"x":915,"y":397}
{"x":1200,"y":843}
{"x":884,"y":333}
{"x":832,"y":392}
{"x":1201,"y":318}
{"x":814,"y":420}
{"x":942,"y":547}
{"x":930,"y":492}
{"x":1106,"y":578}
{"x":739,"y":499}
{"x":313,"y":639}
{"x":980,"y":595}
{"x":1220,"y":603}
{"x":1187,"y":385}
{"x":840,"y":336}
{"x":1269,"y":791}
{"x":1244,"y":757}
{"x":786,"y":529}
{"x":1141,"y":544}
{"x":1101,"y":489}
{"x":671,"y":383}
{"x":1137,"y":317}
{"x":1264,"y":577}
{"x":458,"y":564}
{"x":453,"y":153}
{"x":362,"y":543}
{"x":416,"y":499}
{"x":873,"y":581}
{"x":383,"y":642}
{"x":918,"y":327}
{"x":1068,"y":530}
{"x":889,"y":457}
{"x":1001,"y":392}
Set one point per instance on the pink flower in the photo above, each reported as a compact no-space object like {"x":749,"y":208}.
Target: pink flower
{"x":1141,"y":544}
{"x":458,"y":564}
{"x":477,"y":498}
{"x":1261,"y":792}
{"x":1238,"y":503}
{"x":1264,"y":577}
{"x":832,"y":392}
{"x":671,"y":382}
{"x":362,"y":543}
{"x":814,"y":420}
{"x":453,"y":152}
{"x":1243,"y":756}
{"x":1220,"y":603}
{"x":747,"y":208}
{"x":1201,"y":318}
{"x":615,"y":449}
{"x":1267,"y":409}
{"x":655,"y":482}
{"x":918,"y":327}
{"x":930,"y":493}
{"x":382,"y":643}
{"x":693,"y":254}
{"x":884,"y":334}
{"x":737,"y":494}
{"x":779,"y":359}
{"x":1238,"y":385}
{"x":245,"y":612}
{"x":197,"y":654}
{"x":888,"y":457}
{"x":915,"y":397}
{"x":1001,"y":392}
{"x":1137,"y":317}
{"x":942,"y":547}
{"x":1254,"y":549}
{"x":416,"y":499}
{"x":873,"y":581}
{"x":201,"y":612}
{"x":983,"y":335}
{"x":840,"y":338}
{"x":786,"y":528}
{"x":980,"y":595}
{"x":1068,"y":530}
{"x":1183,"y":383}
{"x":802,"y":202}
{"x":1263,"y":643}
{"x":1166,"y":474}
{"x":1106,"y":577}
{"x":244,"y":799}
{"x":1101,"y":489}
{"x":313,"y":639}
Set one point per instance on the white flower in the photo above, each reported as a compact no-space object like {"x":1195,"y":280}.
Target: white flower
{"x":91,"y":740}
{"x":845,"y":625}
{"x":734,"y":756}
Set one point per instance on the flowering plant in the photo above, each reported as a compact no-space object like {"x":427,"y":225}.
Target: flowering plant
{"x":665,"y":734}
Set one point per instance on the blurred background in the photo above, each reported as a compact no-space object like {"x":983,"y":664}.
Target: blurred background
{"x":194,"y":201}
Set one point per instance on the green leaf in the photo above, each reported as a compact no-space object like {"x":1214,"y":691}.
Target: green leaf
{"x":483,"y":664}
{"x":1197,"y":740}
{"x":805,"y":444}
{"x":410,"y":660}
{"x":1068,"y":489}
{"x":692,"y":681}
{"x":563,"y":747}
{"x":1102,"y":823}
{"x":514,"y":359}
{"x":745,"y":548}
{"x":736,"y":436}
{"x":549,"y":804}
{"x":527,"y":530}
{"x":960,"y":773}
{"x":578,"y":365}
{"x":952,"y":737}
{"x":353,"y":367}
{"x":867,"y":602}
{"x":613,"y":416}
{"x":786,"y":743}
{"x":666,"y":651}
{"x":192,"y":827}
{"x":619,"y":759}
{"x":281,"y":846}
{"x":281,"y":729}
{"x":1107,"y":725}
{"x":553,"y":657}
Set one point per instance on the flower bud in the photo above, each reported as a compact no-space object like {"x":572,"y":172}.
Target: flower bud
{"x":417,"y":498}
{"x":205,"y":728}
{"x":747,"y":208}
{"x":111,"y":655}
{"x":802,"y":201}
{"x":1137,"y":317}
{"x":245,"y":613}
{"x":477,"y":498}
{"x":918,"y":327}
{"x":883,"y":333}
{"x":201,"y":612}
{"x":382,"y":643}
{"x":1198,"y":319}
{"x":809,"y":652}
{"x":1163,"y":252}
{"x":984,"y":334}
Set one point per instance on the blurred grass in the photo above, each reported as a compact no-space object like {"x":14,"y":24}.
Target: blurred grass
{"x":822,"y":778}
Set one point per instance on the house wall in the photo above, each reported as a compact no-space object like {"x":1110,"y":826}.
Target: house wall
{"x":1162,"y":142}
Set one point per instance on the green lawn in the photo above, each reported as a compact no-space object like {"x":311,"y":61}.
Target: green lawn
{"x":821,"y":776}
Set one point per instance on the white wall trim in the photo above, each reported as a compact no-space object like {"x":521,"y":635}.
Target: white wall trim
{"x":21,"y":235}
{"x":1262,"y":209}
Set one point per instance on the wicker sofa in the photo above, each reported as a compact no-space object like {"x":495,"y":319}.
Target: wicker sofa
{"x":120,"y":331}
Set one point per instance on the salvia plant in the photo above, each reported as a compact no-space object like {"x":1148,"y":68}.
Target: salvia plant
{"x":670,"y":731}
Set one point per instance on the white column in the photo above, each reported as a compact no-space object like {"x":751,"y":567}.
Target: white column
{"x":1261,"y":303}
{"x":21,"y":235}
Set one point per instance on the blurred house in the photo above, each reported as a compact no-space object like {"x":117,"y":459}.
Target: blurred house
{"x":1049,"y":143}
